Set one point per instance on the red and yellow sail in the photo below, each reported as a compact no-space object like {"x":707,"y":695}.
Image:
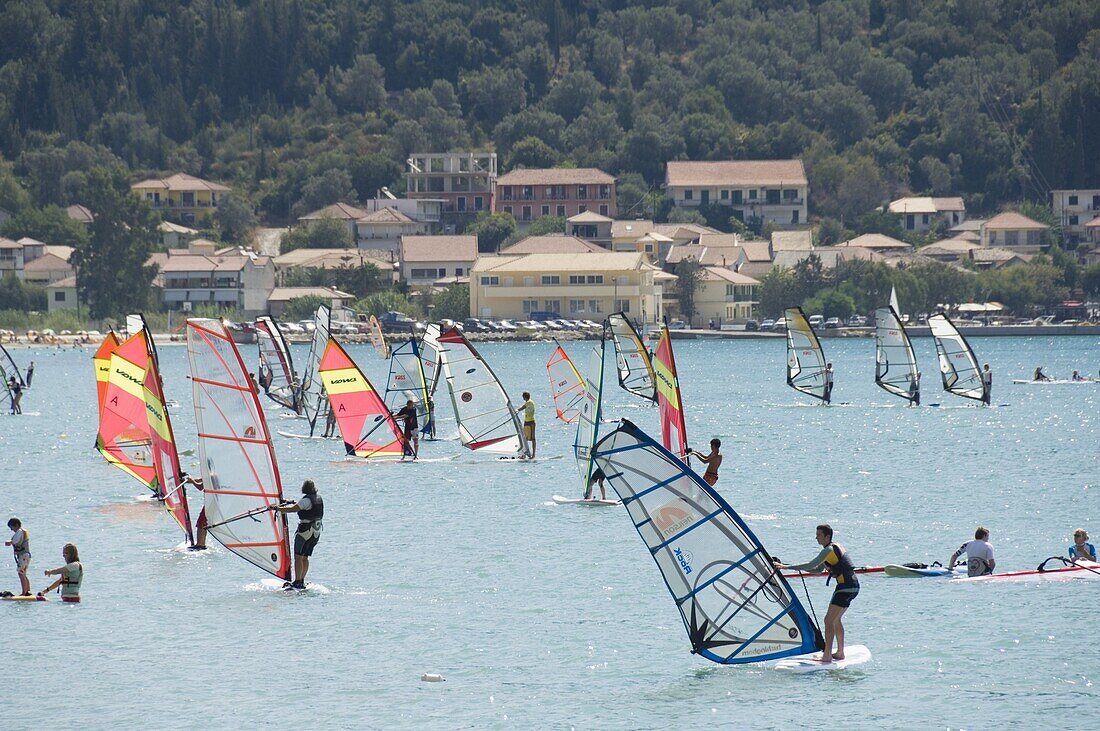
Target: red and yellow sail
{"x":365,"y":423}
{"x":102,"y":362}
{"x":673,"y":429}
{"x":123,"y":425}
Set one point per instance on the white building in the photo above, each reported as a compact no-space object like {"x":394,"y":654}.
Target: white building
{"x":1076,"y":209}
{"x":427,"y":260}
{"x":767,"y":191}
{"x":1015,"y":232}
{"x":918,"y":214}
{"x":228,"y":278}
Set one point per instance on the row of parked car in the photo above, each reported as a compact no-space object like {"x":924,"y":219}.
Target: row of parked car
{"x":483,"y":325}
{"x":816,"y":321}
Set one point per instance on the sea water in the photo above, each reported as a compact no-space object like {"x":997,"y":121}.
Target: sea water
{"x":554,"y":616}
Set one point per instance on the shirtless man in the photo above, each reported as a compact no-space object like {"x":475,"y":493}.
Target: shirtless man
{"x":713,"y":461}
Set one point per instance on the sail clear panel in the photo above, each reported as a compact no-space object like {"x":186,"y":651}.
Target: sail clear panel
{"x":588,"y":421}
{"x":673,"y":428}
{"x":635,"y":369}
{"x":895,"y":362}
{"x":958,"y":365}
{"x":9,"y":370}
{"x":276,"y":374}
{"x":805,"y":359}
{"x":429,"y":353}
{"x":736,"y":607}
{"x":566,"y":385}
{"x":239,"y":471}
{"x":365,"y":423}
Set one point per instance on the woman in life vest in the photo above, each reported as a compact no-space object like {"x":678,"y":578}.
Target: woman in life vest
{"x":70,"y":576}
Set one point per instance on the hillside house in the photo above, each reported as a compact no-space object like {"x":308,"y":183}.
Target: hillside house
{"x":918,"y":214}
{"x":1015,"y":232}
{"x":428,"y":260}
{"x":1076,"y":209}
{"x":760,"y":191}
{"x":529,"y":194}
{"x":181,"y":196}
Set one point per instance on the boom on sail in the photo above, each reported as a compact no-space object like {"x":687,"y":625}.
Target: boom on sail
{"x":805,"y":359}
{"x":958,"y":364}
{"x":276,"y":374}
{"x":566,"y":385}
{"x":635,"y":369}
{"x":365,"y":423}
{"x":735,"y":605}
{"x":673,"y":428}
{"x":895,"y":362}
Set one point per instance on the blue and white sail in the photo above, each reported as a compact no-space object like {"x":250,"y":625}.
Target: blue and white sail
{"x":736,"y":607}
{"x":588,"y":422}
{"x":406,"y":379}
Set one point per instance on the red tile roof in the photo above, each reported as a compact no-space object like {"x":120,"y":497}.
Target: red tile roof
{"x":736,"y":173}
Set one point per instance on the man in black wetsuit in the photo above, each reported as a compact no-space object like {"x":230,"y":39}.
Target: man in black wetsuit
{"x":407,"y":418}
{"x":310,"y":509}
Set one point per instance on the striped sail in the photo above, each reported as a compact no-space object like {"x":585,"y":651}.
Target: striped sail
{"x":365,"y":423}
{"x":805,"y":359}
{"x":276,"y":374}
{"x":895,"y":362}
{"x":239,"y":471}
{"x":123,"y":438}
{"x":735,"y":605}
{"x":566,"y":385}
{"x":669,"y":402}
{"x":102,"y":363}
{"x":635,"y":369}
{"x":958,"y":364}
{"x":588,"y":421}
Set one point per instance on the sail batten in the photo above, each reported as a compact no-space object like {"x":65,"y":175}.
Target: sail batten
{"x":895,"y":361}
{"x":566,"y":385}
{"x":406,"y":379}
{"x":669,"y":401}
{"x":805,"y":358}
{"x":959,"y":368}
{"x":635,"y":367}
{"x":365,"y":423}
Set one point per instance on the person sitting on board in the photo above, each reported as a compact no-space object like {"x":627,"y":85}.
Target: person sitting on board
{"x":529,"y":422}
{"x":713,"y":461}
{"x":1039,"y":375}
{"x":834,"y":559}
{"x":411,"y":436}
{"x":310,"y":509}
{"x":1082,"y":550}
{"x":987,"y":385}
{"x":30,"y":374}
{"x":70,"y":576}
{"x":200,"y":523}
{"x":914,"y":390}
{"x":1077,"y":378}
{"x":596,"y":478}
{"x":828,"y":395}
{"x":21,"y":544}
{"x":979,"y":554}
{"x":16,"y":389}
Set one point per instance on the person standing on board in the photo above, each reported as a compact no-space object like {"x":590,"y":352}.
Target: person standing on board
{"x":1076,"y":378}
{"x":330,"y":424}
{"x":713,"y":461}
{"x":979,"y":554}
{"x":914,"y":390}
{"x":21,"y":544}
{"x":597,"y":478}
{"x":834,"y":559}
{"x":200,"y":522}
{"x":529,"y":422}
{"x":310,"y":509}
{"x":987,"y":384}
{"x":828,"y":397}
{"x":428,"y":430}
{"x":71,"y":575}
{"x":16,"y":389}
{"x":1082,"y":550}
{"x":30,"y":374}
{"x":407,"y":416}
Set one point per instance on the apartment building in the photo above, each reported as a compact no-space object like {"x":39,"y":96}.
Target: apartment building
{"x":464,"y":181}
{"x":529,"y":194}
{"x":1015,"y":232}
{"x":428,"y":260}
{"x":918,"y":214}
{"x":1076,"y":209}
{"x":756,"y":191}
{"x":229,"y":278}
{"x":181,"y":196}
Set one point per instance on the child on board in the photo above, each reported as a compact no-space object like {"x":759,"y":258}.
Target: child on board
{"x":979,"y":554}
{"x":21,"y":544}
{"x":1082,"y":550}
{"x":528,"y":409}
{"x":833,"y":558}
{"x":310,"y":509}
{"x":713,"y":461}
{"x":70,"y":576}
{"x":407,"y":416}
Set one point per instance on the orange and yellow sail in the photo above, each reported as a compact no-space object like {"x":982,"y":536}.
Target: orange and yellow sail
{"x":673,"y":429}
{"x":102,"y":362}
{"x":365,"y":423}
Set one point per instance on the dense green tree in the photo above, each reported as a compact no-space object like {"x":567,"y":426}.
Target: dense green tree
{"x":452,"y":303}
{"x":326,"y":233}
{"x":777,"y":291}
{"x":15,"y":294}
{"x":492,"y":230}
{"x":386,"y":301}
{"x":531,"y":152}
{"x":50,"y":225}
{"x":689,"y":275}
{"x":831,"y":303}
{"x":546,"y":225}
{"x":1090,"y":280}
{"x":234,"y":219}
{"x":303,"y":308}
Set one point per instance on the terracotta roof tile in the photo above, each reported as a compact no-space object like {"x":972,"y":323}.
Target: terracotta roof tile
{"x":555,"y":176}
{"x":736,"y":173}
{"x":1013,"y":221}
{"x":438,"y":248}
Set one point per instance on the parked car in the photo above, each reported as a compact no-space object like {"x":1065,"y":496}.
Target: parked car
{"x":752,"y":325}
{"x":292,"y":328}
{"x":677,"y":325}
{"x":857,"y":321}
{"x":508,"y":326}
{"x":767,"y":326}
{"x":589,"y":325}
{"x":493,"y":325}
{"x":397,"y":322}
{"x":474,"y":325}
{"x":781,"y":325}
{"x":816,"y":320}
{"x":832,"y":323}
{"x":534,"y":325}
{"x":307,"y":325}
{"x":345,"y":328}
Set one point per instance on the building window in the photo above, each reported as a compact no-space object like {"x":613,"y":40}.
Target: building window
{"x":546,"y":210}
{"x":582,"y":192}
{"x":689,"y":194}
{"x":910,"y":221}
{"x":595,"y":306}
{"x":561,"y":211}
{"x":1073,"y":200}
{"x":794,"y":216}
{"x":479,"y":204}
{"x":622,"y":305}
{"x":582,"y":208}
{"x":458,"y":271}
{"x":530,"y":306}
{"x":427,"y":273}
{"x":1096,"y":203}
{"x":752,"y":194}
{"x":603,"y":210}
{"x":924,"y":219}
{"x":461,"y":201}
{"x":772,"y":196}
{"x":586,"y":279}
{"x":550,"y":279}
{"x":490,"y":281}
{"x":738,"y":197}
{"x":552,"y":306}
{"x":605,"y":192}
{"x":58,"y":296}
{"x":725,"y":195}
{"x":704,"y":197}
{"x":506,"y":194}
{"x":790,"y":194}
{"x":508,"y":210}
{"x":1073,"y":220}
{"x":526,"y":213}
{"x":576,"y":307}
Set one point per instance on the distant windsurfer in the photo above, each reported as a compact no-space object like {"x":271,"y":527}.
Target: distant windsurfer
{"x":1077,"y":378}
{"x":597,"y":478}
{"x":70,"y":576}
{"x":21,"y":544}
{"x":528,"y":408}
{"x":914,"y":390}
{"x":310,"y":509}
{"x":330,"y":424}
{"x":713,"y":461}
{"x":1082,"y":550}
{"x":987,"y":385}
{"x":979,"y":554}
{"x":411,"y":436}
{"x":835,"y":560}
{"x":16,"y":389}
{"x":200,"y":522}
{"x":30,"y":374}
{"x":827,"y":397}
{"x":428,"y":430}
{"x":1039,"y":375}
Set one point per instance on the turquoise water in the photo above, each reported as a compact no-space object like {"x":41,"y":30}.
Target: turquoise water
{"x":554,"y":616}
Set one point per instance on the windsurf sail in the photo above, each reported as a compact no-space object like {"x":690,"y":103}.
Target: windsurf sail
{"x":239,"y":471}
{"x":429,"y":353}
{"x":958,"y":364}
{"x":805,"y":359}
{"x":123,"y":438}
{"x":276,"y":374}
{"x":315,"y":403}
{"x":588,"y":421}
{"x":635,"y":369}
{"x":102,"y":362}
{"x":378,"y":338}
{"x":566,"y":385}
{"x":8,"y":369}
{"x":485,"y":415}
{"x":406,"y":380}
{"x":735,"y":605}
{"x":671,"y":405}
{"x":895,"y":362}
{"x":365,"y":423}
{"x":894,"y":300}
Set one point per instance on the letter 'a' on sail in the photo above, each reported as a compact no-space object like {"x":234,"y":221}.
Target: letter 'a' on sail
{"x":566,"y":385}
{"x":102,"y":362}
{"x":406,"y":380}
{"x":588,"y":421}
{"x":805,"y":359}
{"x":239,"y":471}
{"x":123,"y":438}
{"x":378,"y":338}
{"x":8,"y":369}
{"x":736,"y":606}
{"x":429,"y":353}
{"x":673,"y":429}
{"x":365,"y":423}
{"x":635,"y":369}
{"x":276,"y":374}
{"x":486,"y":419}
{"x":895,"y":362}
{"x":315,"y":402}
{"x":958,"y":364}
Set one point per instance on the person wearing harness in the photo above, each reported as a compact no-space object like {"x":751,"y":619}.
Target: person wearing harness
{"x":200,"y":522}
{"x":834,"y":559}
{"x":428,"y":430}
{"x":20,"y":543}
{"x":310,"y":509}
{"x":713,"y":461}
{"x":1082,"y":550}
{"x":596,"y":478}
{"x":16,"y":389}
{"x":71,"y":576}
{"x":979,"y":554}
{"x":987,"y":385}
{"x":828,"y":396}
{"x":914,"y":390}
{"x":528,"y":408}
{"x":408,"y":419}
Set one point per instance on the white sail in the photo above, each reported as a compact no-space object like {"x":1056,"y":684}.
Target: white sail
{"x":276,"y":375}
{"x":958,"y":364}
{"x":313,"y":390}
{"x":429,"y":353}
{"x":239,"y":471}
{"x":588,"y":423}
{"x":735,"y":605}
{"x":406,"y":379}
{"x":485,"y":415}
{"x":894,"y":300}
{"x":635,"y":369}
{"x":805,"y":359}
{"x":895,"y":362}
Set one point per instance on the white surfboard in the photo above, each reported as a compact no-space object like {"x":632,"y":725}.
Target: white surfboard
{"x":853,"y":655}
{"x":271,"y":583}
{"x":594,"y":502}
{"x":292,"y":435}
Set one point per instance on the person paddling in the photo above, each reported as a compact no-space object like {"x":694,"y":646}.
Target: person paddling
{"x":70,"y":576}
{"x":979,"y":554}
{"x":1082,"y":550}
{"x":1039,"y":375}
{"x":310,"y":509}
{"x":834,"y":559}
{"x":713,"y":461}
{"x":21,"y":544}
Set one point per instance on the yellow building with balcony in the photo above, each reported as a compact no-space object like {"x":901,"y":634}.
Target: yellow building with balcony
{"x":182,"y":197}
{"x":585,"y":286}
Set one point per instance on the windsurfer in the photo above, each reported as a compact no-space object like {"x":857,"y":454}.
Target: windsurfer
{"x":529,"y":422}
{"x":713,"y":461}
{"x":979,"y":554}
{"x":310,"y":509}
{"x":30,"y":374}
{"x":1077,"y":378}
{"x":1039,"y":375}
{"x":200,"y":522}
{"x":828,"y":395}
{"x":987,"y":384}
{"x":1082,"y":550}
{"x":834,"y":559}
{"x":428,"y":430}
{"x":70,"y":576}
{"x":597,"y":478}
{"x":409,"y":431}
{"x":330,"y":424}
{"x":16,"y":389}
{"x":21,"y":544}
{"x":914,"y":390}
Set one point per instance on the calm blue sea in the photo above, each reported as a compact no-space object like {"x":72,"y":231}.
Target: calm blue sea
{"x":546,"y":616}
